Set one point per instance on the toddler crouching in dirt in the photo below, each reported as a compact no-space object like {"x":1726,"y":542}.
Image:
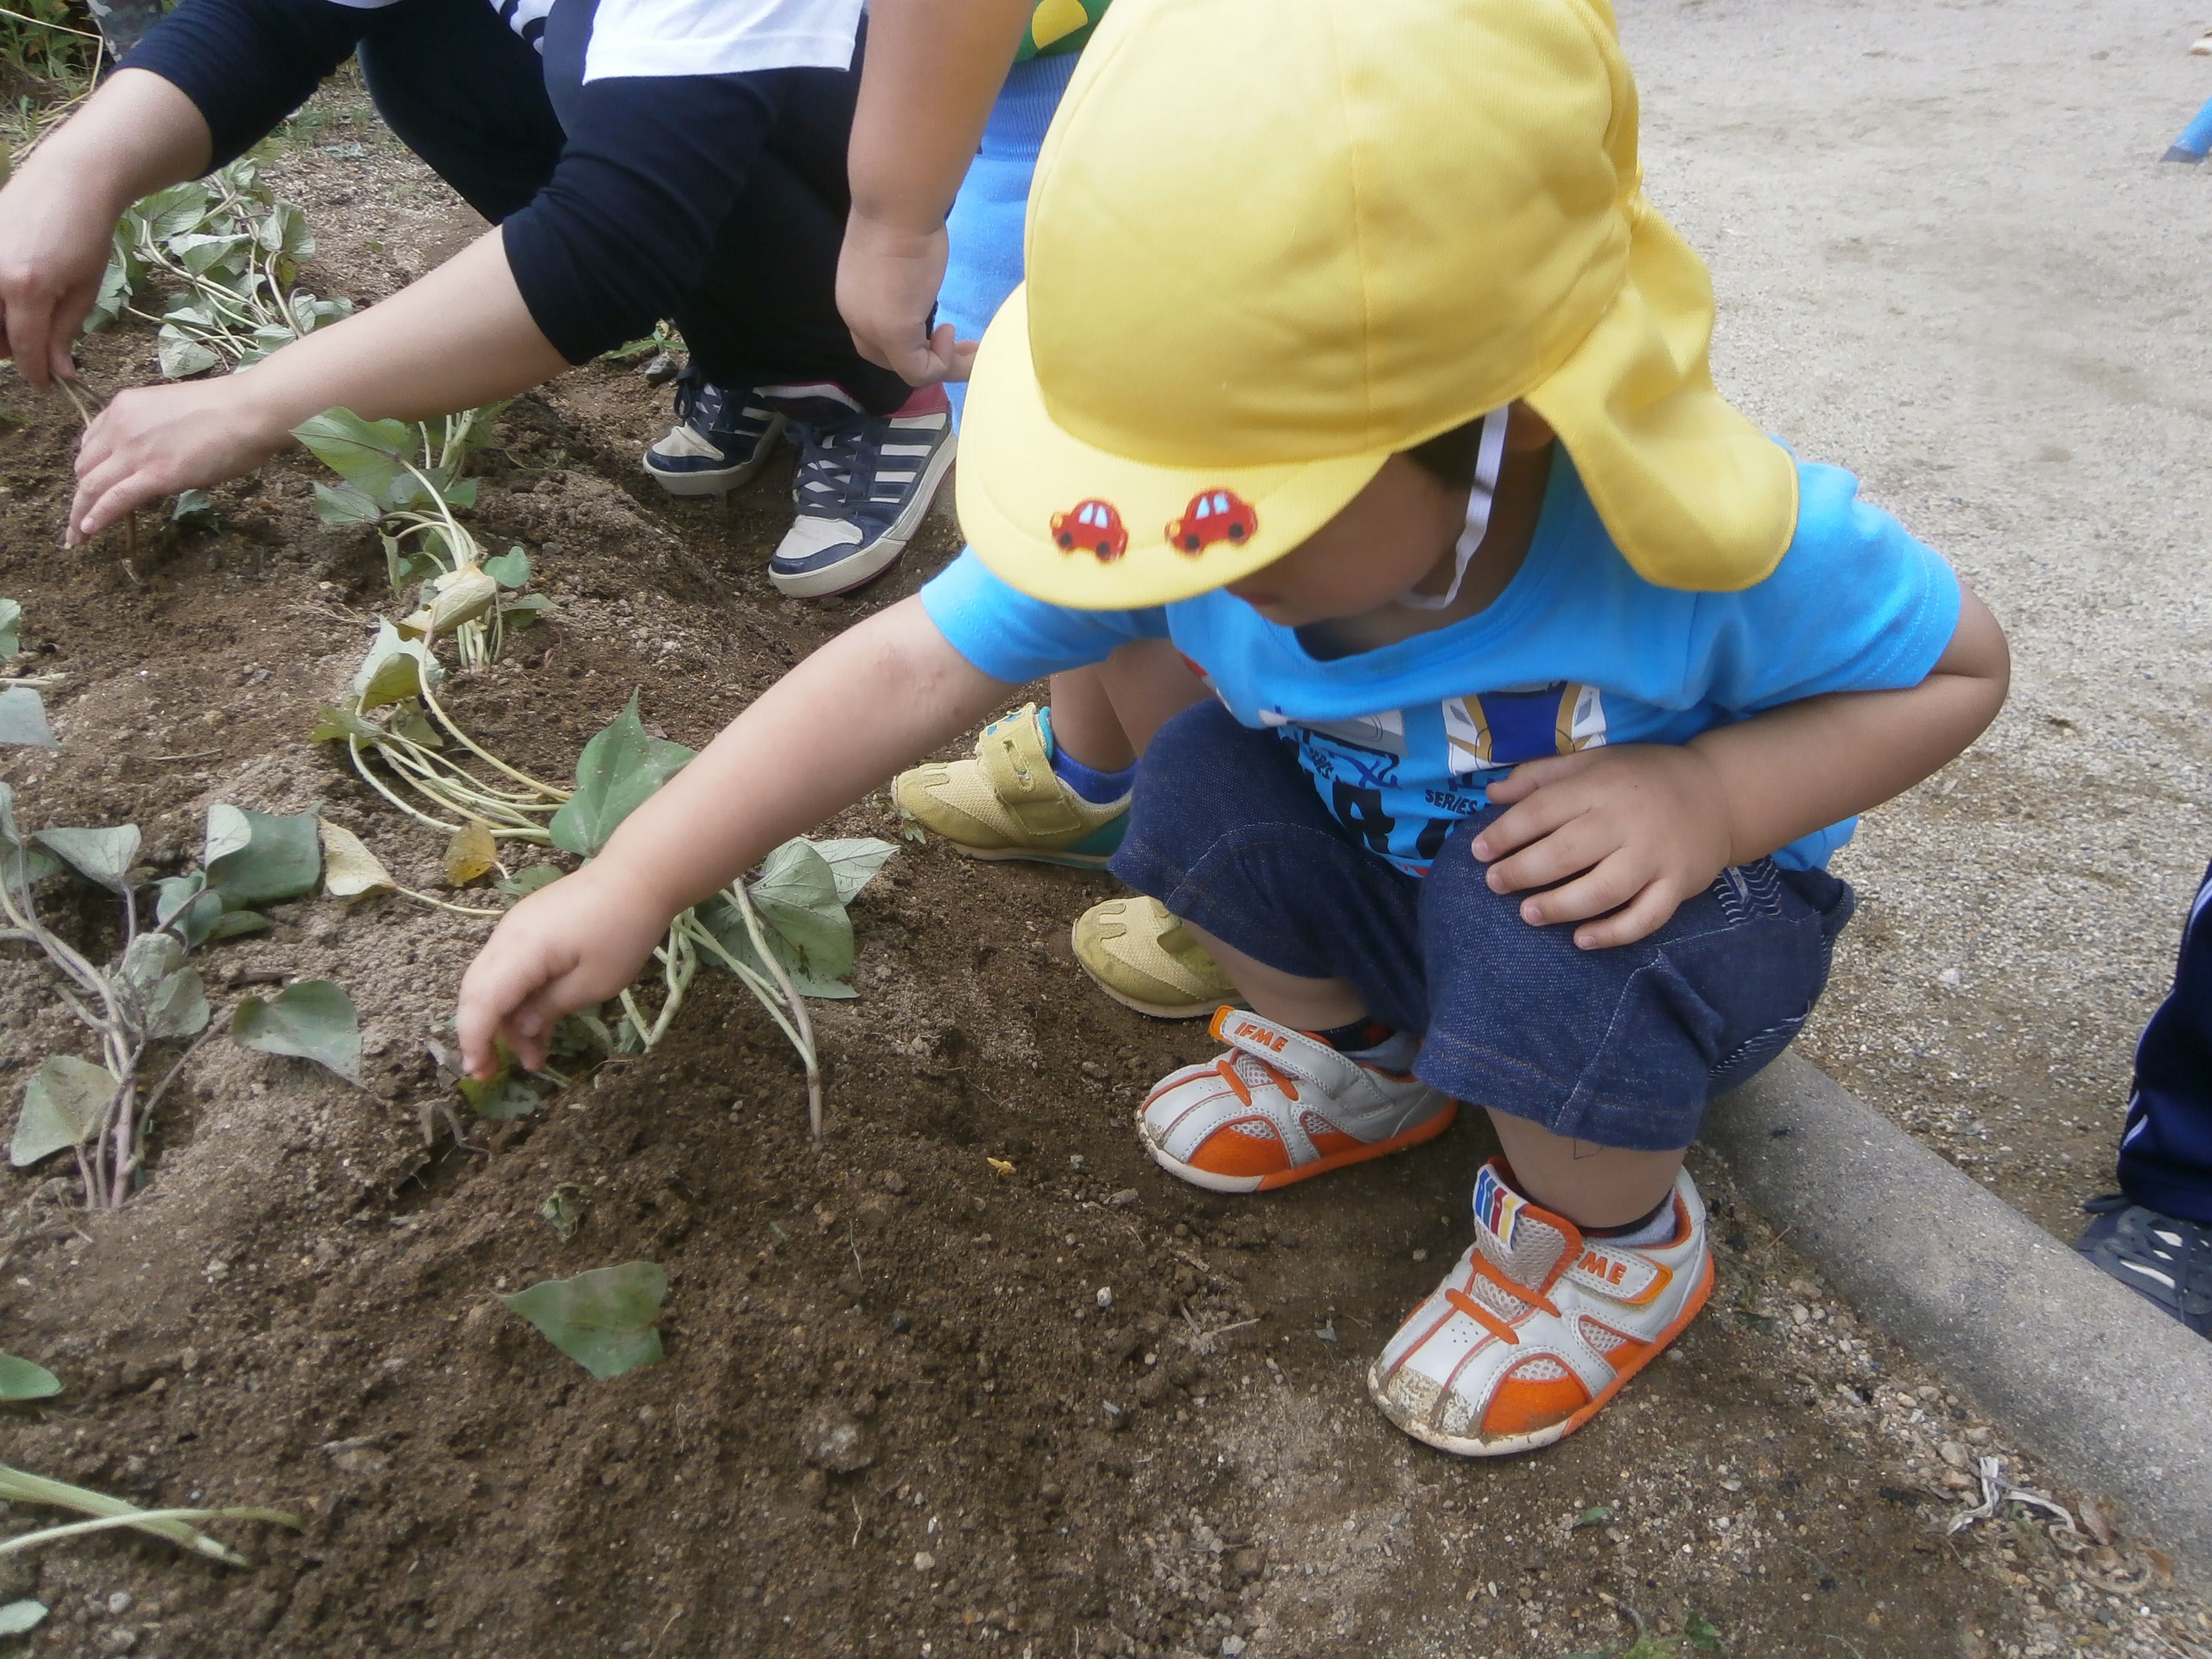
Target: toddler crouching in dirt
{"x":1546,"y":683}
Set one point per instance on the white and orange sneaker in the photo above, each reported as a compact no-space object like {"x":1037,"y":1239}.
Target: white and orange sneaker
{"x":1281,"y":1106}
{"x":1537,"y":1328}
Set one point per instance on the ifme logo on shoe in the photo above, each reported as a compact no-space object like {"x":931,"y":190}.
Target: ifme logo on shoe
{"x":1496,"y":1206}
{"x":1258,"y":1033}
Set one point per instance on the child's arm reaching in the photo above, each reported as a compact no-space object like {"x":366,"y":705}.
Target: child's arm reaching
{"x":1642,"y":827}
{"x":874,"y":699}
{"x":932,"y":71}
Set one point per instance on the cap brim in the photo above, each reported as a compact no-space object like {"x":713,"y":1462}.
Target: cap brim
{"x":1019,"y":471}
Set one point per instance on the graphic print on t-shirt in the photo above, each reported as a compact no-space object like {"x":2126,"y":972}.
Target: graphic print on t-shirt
{"x":1492,"y":729}
{"x":1379,"y":772}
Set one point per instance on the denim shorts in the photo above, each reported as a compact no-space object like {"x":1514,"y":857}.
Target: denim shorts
{"x":1621,"y":1047}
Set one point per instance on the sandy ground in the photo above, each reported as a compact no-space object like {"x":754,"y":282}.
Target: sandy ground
{"x":1948,"y":258}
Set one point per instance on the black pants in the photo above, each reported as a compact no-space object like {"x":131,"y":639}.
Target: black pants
{"x":468,"y":96}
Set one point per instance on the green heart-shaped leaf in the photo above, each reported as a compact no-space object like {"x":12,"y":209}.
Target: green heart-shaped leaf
{"x":853,"y":860}
{"x":619,"y":769}
{"x":313,"y":1020}
{"x":797,"y":895}
{"x":259,"y":858}
{"x":367,"y":454}
{"x":23,"y":718}
{"x":65,"y":1104}
{"x":603,"y":1319}
{"x":20,"y":1380}
{"x":103,"y":857}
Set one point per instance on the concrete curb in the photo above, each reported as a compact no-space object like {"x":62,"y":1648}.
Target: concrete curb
{"x":2114,"y":1397}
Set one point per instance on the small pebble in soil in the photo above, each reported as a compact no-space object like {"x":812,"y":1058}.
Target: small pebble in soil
{"x":119,"y":1603}
{"x":1123,"y":1200}
{"x":924,"y":1561}
{"x":901,"y":1323}
{"x":833,"y":1441}
{"x":1105,"y":1297}
{"x":1420,"y":1255}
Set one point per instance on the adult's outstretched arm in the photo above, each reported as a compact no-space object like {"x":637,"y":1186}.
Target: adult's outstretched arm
{"x":458,"y":337}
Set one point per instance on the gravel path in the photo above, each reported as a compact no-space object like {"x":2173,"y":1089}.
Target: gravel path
{"x":1948,"y":257}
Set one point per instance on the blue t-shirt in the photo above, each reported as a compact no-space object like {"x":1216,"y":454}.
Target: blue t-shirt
{"x":1577,"y":651}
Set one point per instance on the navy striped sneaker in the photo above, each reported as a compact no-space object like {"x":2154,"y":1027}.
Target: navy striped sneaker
{"x":720,"y":439}
{"x":863,"y":485}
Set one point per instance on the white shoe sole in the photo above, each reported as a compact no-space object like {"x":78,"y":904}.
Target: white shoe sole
{"x":862,"y":568}
{"x":721,"y":480}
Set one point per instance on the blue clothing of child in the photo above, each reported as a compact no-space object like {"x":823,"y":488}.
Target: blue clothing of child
{"x":1320,"y":818}
{"x":983,"y":262}
{"x":1578,"y":650}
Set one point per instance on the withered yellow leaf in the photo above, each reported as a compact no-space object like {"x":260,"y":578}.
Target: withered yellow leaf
{"x":471,"y":854}
{"x":351,"y":871}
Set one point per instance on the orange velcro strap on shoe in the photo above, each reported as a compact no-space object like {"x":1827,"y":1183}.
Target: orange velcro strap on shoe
{"x":1482,"y":1315}
{"x":1520,"y":1292}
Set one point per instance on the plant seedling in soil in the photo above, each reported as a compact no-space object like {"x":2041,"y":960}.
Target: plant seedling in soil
{"x":391,"y":711}
{"x":786,"y":936}
{"x":406,"y":481}
{"x":230,"y":252}
{"x":562,"y":1212}
{"x":175,"y":1525}
{"x":24,"y":716}
{"x":148,"y":995}
{"x":603,"y":1319}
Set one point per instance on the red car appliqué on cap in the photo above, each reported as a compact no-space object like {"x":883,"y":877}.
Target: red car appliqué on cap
{"x":1213,"y":516}
{"x":1093,"y":525}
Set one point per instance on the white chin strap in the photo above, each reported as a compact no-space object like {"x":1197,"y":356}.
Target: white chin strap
{"x":1489,"y":456}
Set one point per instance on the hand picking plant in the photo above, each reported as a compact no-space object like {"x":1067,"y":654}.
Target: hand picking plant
{"x":406,"y":481}
{"x":147,"y":995}
{"x":230,"y":252}
{"x":785,"y":935}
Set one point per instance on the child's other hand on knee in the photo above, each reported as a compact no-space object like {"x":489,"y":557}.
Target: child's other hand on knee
{"x":1619,"y":836}
{"x":568,"y":945}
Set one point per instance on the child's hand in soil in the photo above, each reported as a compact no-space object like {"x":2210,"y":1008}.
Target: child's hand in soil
{"x":155,"y":440}
{"x":1631,"y":831}
{"x":567,"y":945}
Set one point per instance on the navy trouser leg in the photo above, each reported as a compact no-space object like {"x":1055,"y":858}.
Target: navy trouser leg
{"x":1621,"y":1047}
{"x":2165,"y":1152}
{"x":468,"y":96}
{"x":766,"y":313}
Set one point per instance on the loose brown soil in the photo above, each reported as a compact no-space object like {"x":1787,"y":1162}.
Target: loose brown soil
{"x":911,"y":1405}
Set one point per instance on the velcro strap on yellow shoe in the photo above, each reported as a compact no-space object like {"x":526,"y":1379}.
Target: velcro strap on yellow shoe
{"x":1015,"y":764}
